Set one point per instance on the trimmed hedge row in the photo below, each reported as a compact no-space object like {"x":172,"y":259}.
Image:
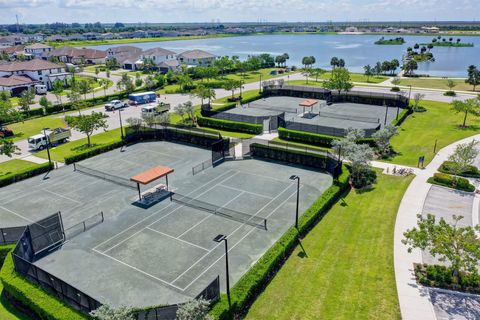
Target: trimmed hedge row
{"x":471,"y":172}
{"x":446,"y":180}
{"x":402,"y":117}
{"x":254,"y":281}
{"x":25,"y":174}
{"x":229,"y":125}
{"x":315,"y":139}
{"x":45,"y":305}
{"x":93,"y":152}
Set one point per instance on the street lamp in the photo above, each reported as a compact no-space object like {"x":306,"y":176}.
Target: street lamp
{"x":219,"y":239}
{"x":48,"y":146}
{"x":260,"y":89}
{"x":295,"y":177}
{"x":121,"y":126}
{"x":409,"y":93}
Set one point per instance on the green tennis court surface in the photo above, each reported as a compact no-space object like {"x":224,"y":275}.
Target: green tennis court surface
{"x":164,"y":254}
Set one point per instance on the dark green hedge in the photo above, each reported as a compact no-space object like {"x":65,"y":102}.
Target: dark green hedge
{"x":402,"y":117}
{"x":93,"y":152}
{"x":442,"y":277}
{"x":471,"y":172}
{"x":254,"y":281}
{"x":24,"y":174}
{"x":45,"y":305}
{"x":446,"y":180}
{"x":229,"y":125}
{"x":315,"y":139}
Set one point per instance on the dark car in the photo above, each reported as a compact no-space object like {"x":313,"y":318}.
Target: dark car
{"x":4,"y":132}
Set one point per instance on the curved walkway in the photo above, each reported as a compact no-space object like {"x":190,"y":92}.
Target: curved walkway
{"x":415,"y":301}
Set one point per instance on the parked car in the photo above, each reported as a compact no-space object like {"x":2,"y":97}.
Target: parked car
{"x":55,"y":136}
{"x":4,"y":132}
{"x":41,"y":89}
{"x":115,"y":105}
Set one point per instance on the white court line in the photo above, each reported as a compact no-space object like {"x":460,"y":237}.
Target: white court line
{"x":85,"y":186}
{"x":61,"y":196}
{"x":166,"y":214}
{"x":239,"y":241}
{"x":19,"y":215}
{"x":233,"y":232}
{"x":139,"y":270}
{"x":255,"y":194}
{"x":210,"y":215}
{"x":172,"y":237}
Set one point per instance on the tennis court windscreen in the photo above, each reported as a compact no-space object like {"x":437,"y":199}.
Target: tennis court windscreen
{"x":221,"y":211}
{"x":105,"y":176}
{"x":348,"y":117}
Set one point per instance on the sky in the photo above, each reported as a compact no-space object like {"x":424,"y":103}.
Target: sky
{"x":131,"y":11}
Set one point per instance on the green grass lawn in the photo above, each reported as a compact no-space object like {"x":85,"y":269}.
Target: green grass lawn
{"x":357,"y":77}
{"x":74,"y":147}
{"x":23,"y":130}
{"x":231,"y":134}
{"x":245,"y":95}
{"x":438,"y":84}
{"x":7,"y":311}
{"x":418,"y":133}
{"x":346,"y":270}
{"x":14,"y":165}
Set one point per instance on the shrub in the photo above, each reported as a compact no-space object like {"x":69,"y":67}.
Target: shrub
{"x":321,"y":140}
{"x":253,"y":282}
{"x":229,"y":125}
{"x":45,"y":305}
{"x":450,"y":93}
{"x":449,"y":181}
{"x":442,"y":277}
{"x":471,"y":172}
{"x":395,"y":89}
{"x":24,"y":174}
{"x":402,"y":117}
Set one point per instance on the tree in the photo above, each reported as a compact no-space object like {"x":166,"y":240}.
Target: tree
{"x":463,"y":157}
{"x":180,"y":110}
{"x":410,"y":66}
{"x":451,"y":84}
{"x":359,"y":156}
{"x":232,"y":85}
{"x":83,"y":88}
{"x":339,"y":80}
{"x":316,"y":73}
{"x":417,"y":97}
{"x":286,"y":57}
{"x":58,"y":87}
{"x":26,"y":99}
{"x":308,"y":61}
{"x":201,"y":92}
{"x":126,"y":84}
{"x":105,"y":312}
{"x":469,"y":106}
{"x":88,"y":123}
{"x":74,"y":96}
{"x":8,"y":112}
{"x":473,"y":77}
{"x":44,"y":103}
{"x":280,"y":60}
{"x":368,"y":72}
{"x":8,"y":148}
{"x":134,"y":123}
{"x":458,"y":246}
{"x":196,"y":309}
{"x":189,"y":109}
{"x":163,"y":119}
{"x":382,"y":138}
{"x":149,"y":82}
{"x":149,"y":119}
{"x":334,"y":62}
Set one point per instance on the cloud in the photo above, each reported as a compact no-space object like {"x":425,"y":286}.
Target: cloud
{"x":25,"y":3}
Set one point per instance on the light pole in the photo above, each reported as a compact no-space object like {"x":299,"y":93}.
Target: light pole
{"x":409,"y":94}
{"x":121,"y":126}
{"x":219,"y":239}
{"x":295,"y":177}
{"x":260,"y":89}
{"x":48,"y":146}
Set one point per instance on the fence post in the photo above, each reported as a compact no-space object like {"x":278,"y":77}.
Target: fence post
{"x":3,"y":235}
{"x":84,"y":227}
{"x":103,"y":218}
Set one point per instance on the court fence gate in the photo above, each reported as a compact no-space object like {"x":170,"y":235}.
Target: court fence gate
{"x":11,"y":235}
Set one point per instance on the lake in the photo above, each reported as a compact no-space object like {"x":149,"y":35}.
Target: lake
{"x":356,"y":50}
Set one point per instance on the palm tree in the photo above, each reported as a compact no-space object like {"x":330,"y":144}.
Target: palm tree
{"x":469,"y":106}
{"x":368,"y":71}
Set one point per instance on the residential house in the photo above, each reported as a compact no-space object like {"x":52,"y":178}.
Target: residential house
{"x":37,"y":50}
{"x":168,"y":65}
{"x":14,"y":51}
{"x":78,"y":56}
{"x":20,"y":75}
{"x":196,"y":58}
{"x":130,"y":60}
{"x":158,"y":55}
{"x":112,"y":52}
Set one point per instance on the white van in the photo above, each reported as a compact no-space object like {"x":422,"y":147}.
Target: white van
{"x":41,"y":89}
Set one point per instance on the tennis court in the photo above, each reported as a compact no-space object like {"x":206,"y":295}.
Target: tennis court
{"x":164,"y":254}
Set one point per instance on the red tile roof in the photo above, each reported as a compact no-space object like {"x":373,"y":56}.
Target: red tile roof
{"x":16,"y":81}
{"x":30,"y":65}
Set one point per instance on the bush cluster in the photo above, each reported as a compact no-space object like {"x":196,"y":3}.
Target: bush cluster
{"x":252,"y":283}
{"x":471,"y":172}
{"x":24,"y":174}
{"x":229,"y":125}
{"x":450,"y":93}
{"x":43,"y":304}
{"x":402,"y":117}
{"x":442,"y":277}
{"x":449,"y":181}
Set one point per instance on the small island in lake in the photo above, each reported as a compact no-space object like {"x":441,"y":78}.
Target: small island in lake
{"x":444,"y":42}
{"x":395,"y":41}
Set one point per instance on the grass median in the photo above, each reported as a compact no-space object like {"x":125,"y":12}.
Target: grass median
{"x":345,"y":269}
{"x":15,"y":165}
{"x":436,"y":83}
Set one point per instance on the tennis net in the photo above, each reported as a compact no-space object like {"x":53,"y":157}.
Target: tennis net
{"x":273,"y":108}
{"x":348,"y":117}
{"x":221,"y":211}
{"x":105,"y":176}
